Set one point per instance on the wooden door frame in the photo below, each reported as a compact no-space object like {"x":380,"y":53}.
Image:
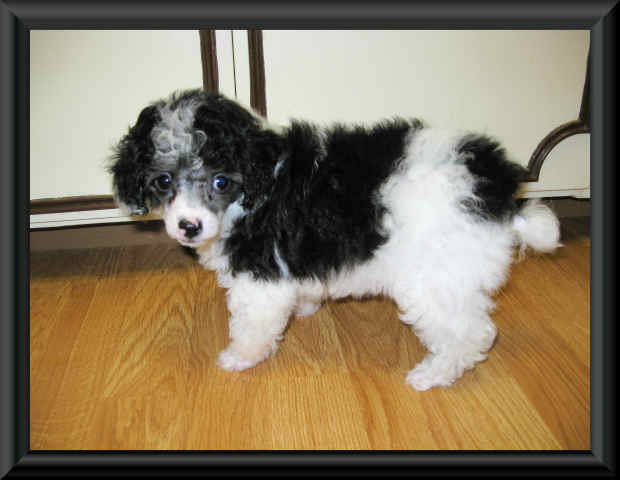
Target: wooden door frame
{"x":208,"y":57}
{"x":258,"y":96}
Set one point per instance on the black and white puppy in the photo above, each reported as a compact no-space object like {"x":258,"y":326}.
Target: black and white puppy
{"x":291,"y":216}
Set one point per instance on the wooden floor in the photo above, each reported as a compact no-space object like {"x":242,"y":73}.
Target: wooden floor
{"x":123,"y":344}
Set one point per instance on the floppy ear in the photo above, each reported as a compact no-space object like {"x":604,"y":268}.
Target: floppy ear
{"x":131,"y":159}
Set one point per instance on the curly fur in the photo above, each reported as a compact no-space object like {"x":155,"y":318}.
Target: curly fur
{"x":309,"y":212}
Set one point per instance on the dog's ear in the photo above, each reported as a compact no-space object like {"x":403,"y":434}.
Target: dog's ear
{"x":131,"y":159}
{"x":236,"y":141}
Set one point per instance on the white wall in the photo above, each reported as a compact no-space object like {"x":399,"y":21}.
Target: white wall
{"x":516,"y":85}
{"x":86,"y":88}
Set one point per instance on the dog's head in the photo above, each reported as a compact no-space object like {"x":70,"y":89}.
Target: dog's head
{"x":194,"y":159}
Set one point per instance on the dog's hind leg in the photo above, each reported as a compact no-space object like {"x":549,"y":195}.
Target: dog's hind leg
{"x":458,"y":335}
{"x":310,"y":297}
{"x":259,"y":313}
{"x":307,"y":308}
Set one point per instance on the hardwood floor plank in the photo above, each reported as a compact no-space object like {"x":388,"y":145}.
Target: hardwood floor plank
{"x":124,"y":342}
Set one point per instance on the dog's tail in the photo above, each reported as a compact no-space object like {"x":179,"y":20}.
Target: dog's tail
{"x":537,"y":227}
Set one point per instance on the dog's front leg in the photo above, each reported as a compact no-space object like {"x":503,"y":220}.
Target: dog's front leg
{"x":259,"y":312}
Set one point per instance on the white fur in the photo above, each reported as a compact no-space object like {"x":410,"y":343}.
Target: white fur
{"x":232,"y":213}
{"x":284,"y":271}
{"x":537,"y":227}
{"x":183,"y":208}
{"x":276,"y":169}
{"x":440,"y":264}
{"x":256,"y":320}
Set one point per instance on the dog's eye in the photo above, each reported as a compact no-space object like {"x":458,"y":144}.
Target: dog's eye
{"x":220,"y":182}
{"x":163,"y":182}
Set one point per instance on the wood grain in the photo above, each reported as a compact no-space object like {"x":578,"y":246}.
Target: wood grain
{"x":208,"y":57}
{"x":71,"y":204}
{"x":258,"y":95}
{"x":124,"y":342}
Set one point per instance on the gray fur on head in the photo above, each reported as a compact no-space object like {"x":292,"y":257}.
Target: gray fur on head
{"x":175,"y":136}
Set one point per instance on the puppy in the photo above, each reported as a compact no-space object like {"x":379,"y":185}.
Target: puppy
{"x":290,"y":216}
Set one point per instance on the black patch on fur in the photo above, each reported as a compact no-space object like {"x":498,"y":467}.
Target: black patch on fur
{"x":237,"y":143}
{"x":132,"y":158}
{"x":321,"y":210}
{"x":497,"y":178}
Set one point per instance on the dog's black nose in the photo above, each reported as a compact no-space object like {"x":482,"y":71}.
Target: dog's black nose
{"x":191,"y":229}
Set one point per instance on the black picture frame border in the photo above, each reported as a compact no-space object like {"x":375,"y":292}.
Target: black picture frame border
{"x":17,"y":18}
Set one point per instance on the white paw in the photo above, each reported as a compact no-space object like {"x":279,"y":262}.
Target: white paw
{"x":441,"y":370}
{"x":306,"y":309}
{"x":422,"y":378}
{"x":231,"y":361}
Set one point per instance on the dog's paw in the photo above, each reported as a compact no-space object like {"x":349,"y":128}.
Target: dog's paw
{"x":231,"y":361}
{"x":306,"y":309}
{"x":441,"y":370}
{"x":434,"y":371}
{"x":422,"y":379}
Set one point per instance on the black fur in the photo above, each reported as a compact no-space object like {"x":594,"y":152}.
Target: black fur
{"x":132,"y":159}
{"x":320,"y":207}
{"x":236,"y":144}
{"x":497,"y":178}
{"x":321,"y":210}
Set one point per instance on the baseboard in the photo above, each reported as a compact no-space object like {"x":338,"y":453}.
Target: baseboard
{"x":570,"y":207}
{"x":153,"y":232}
{"x":100,"y":236}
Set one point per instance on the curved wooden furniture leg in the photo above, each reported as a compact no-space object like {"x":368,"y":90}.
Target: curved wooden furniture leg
{"x":581,"y":125}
